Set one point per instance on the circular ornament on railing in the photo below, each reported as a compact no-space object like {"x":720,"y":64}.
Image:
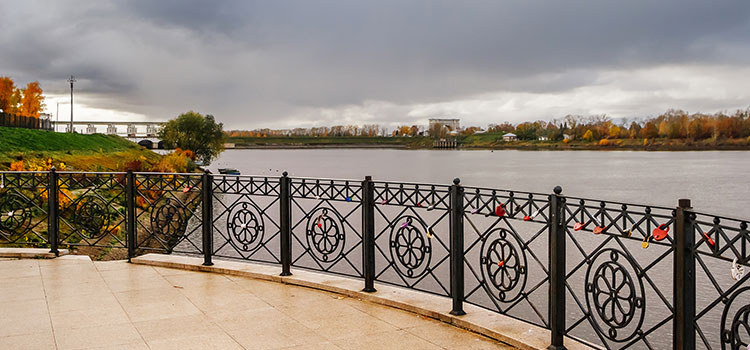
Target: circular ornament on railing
{"x":735,"y":332}
{"x":90,"y":216}
{"x":503,"y":264}
{"x":168,"y":220}
{"x":616,"y":302}
{"x":410,"y":246}
{"x":325,"y":235}
{"x":15,"y":215}
{"x":245,"y":226}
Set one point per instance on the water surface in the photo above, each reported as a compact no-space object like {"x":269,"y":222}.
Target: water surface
{"x":716,"y":181}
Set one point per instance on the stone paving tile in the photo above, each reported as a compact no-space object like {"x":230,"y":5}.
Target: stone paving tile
{"x":32,"y":341}
{"x":79,"y":304}
{"x":97,"y":336}
{"x":397,"y":339}
{"x":206,"y":341}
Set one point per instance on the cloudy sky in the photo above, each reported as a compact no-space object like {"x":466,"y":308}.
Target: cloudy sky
{"x":302,"y":63}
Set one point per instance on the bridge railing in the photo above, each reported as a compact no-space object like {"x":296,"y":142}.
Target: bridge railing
{"x":609,"y":274}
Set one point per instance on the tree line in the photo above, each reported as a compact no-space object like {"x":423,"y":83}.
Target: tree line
{"x":27,"y":102}
{"x":672,"y":124}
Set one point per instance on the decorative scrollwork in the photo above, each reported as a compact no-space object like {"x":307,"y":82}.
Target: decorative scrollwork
{"x":325,"y":235}
{"x":168,"y":220}
{"x":245,"y":226}
{"x":90,"y":216}
{"x":736,"y":335}
{"x":503,"y":265}
{"x":617,"y":300}
{"x":15,"y":215}
{"x":410,"y":247}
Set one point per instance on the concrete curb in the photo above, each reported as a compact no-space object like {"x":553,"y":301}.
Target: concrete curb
{"x":29,"y":253}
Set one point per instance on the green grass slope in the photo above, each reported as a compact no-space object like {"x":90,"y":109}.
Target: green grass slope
{"x":22,"y":140}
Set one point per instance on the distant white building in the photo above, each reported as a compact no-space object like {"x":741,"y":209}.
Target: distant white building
{"x":510,"y":137}
{"x":452,"y":124}
{"x":543,"y":138}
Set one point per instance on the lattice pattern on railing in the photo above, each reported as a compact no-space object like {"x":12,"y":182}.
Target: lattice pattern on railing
{"x":412,"y":245}
{"x":246,"y":218}
{"x":617,"y":257}
{"x":326,"y":233}
{"x":169,"y":217}
{"x":23,"y":208}
{"x":507,"y":270}
{"x":722,"y":260}
{"x":92,"y":209}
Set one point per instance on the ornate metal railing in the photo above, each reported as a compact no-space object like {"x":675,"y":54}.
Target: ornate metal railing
{"x":609,"y":274}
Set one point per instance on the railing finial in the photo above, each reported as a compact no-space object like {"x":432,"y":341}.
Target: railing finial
{"x":285,"y":174}
{"x":684,"y":203}
{"x":558,"y":189}
{"x":456,"y":181}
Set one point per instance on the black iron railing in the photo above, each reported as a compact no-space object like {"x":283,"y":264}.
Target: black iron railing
{"x":609,"y":274}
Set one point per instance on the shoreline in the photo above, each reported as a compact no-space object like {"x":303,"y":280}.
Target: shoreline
{"x":593,"y":147}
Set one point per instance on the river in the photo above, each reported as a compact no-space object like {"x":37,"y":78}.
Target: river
{"x":716,"y":181}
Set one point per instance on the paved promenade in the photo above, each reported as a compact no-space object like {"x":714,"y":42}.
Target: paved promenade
{"x":73,"y":303}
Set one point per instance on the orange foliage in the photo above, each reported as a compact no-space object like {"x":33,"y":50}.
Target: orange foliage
{"x":18,"y":166}
{"x":175,"y":162}
{"x":32,"y":101}
{"x":7,"y":92}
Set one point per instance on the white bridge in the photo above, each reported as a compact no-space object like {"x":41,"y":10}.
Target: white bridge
{"x":142,"y":133}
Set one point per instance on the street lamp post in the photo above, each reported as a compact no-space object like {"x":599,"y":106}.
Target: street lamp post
{"x":71,"y":80}
{"x":57,"y":113}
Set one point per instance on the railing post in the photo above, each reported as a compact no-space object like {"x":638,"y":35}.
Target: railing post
{"x":52,"y":211}
{"x":368,"y":234}
{"x":207,"y":185}
{"x":130,"y":211}
{"x":285,"y":204}
{"x":684,"y":278}
{"x":556,"y":270}
{"x":456,"y":216}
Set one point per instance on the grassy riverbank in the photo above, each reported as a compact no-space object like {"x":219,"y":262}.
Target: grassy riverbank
{"x":76,"y":151}
{"x":489,"y":141}
{"x":330,"y":141}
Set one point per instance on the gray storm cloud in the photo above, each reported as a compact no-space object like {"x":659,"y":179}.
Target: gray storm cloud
{"x":280,"y":63}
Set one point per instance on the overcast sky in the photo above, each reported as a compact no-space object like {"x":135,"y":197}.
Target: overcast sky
{"x":301,"y":63}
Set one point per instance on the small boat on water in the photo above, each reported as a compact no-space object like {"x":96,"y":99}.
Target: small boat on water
{"x":229,"y":171}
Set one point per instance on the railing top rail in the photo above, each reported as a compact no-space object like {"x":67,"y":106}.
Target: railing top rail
{"x":247,"y":176}
{"x":616,"y":203}
{"x":23,"y":172}
{"x":720,"y":217}
{"x":166,"y":174}
{"x":474,"y":188}
{"x":426,"y":184}
{"x":93,"y":172}
{"x":324,"y":179}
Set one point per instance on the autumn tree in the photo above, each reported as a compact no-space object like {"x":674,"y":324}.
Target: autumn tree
{"x":8,"y":95}
{"x":196,"y":132}
{"x":649,"y":130}
{"x":588,"y":135}
{"x":32,"y":101}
